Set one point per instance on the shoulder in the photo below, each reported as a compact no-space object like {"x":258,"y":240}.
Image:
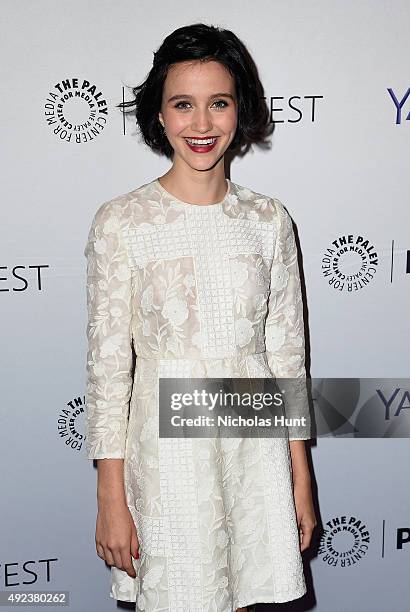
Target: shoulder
{"x":111,"y":221}
{"x":117,"y":212}
{"x":251,"y":204}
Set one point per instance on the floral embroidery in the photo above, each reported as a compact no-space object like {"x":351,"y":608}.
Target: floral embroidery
{"x":166,"y":314}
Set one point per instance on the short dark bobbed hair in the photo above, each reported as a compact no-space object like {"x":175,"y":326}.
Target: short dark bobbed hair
{"x":205,"y":43}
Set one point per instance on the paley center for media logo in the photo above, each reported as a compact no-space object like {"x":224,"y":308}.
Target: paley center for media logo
{"x":76,"y":111}
{"x":350,"y":263}
{"x":344,"y":541}
{"x":70,"y":423}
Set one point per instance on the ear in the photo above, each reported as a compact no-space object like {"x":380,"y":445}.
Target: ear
{"x":161,"y":119}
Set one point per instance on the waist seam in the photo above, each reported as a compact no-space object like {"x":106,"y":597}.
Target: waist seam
{"x":219,"y":358}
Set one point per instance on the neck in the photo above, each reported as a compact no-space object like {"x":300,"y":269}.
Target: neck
{"x":196,"y":186}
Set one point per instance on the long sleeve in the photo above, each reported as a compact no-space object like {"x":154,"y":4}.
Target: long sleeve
{"x":109,"y":355}
{"x":284,"y":329}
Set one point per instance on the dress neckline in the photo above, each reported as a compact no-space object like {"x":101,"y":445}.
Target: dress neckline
{"x":192,"y":204}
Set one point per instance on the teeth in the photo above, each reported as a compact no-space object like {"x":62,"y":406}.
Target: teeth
{"x":197,"y":141}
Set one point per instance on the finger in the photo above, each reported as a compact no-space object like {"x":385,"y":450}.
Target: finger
{"x":117,"y":558}
{"x":127,"y":563}
{"x":108,"y":556}
{"x":306,"y":537}
{"x":134,"y":546}
{"x":301,"y":540}
{"x":100,"y":551}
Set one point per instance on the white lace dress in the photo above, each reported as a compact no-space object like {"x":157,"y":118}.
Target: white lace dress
{"x":195,"y":291}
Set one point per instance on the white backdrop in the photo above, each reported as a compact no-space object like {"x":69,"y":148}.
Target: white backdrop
{"x":341,"y":167}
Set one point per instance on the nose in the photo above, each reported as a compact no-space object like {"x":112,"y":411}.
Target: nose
{"x":201,"y":122}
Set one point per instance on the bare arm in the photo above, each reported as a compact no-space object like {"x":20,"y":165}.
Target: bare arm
{"x":110,"y":481}
{"x":302,"y":492}
{"x":115,"y":535}
{"x":300,"y":468}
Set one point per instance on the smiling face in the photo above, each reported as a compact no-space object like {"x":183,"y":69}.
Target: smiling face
{"x":199,"y":112}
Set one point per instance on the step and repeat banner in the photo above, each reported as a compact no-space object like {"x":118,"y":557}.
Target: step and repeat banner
{"x":336,"y":79}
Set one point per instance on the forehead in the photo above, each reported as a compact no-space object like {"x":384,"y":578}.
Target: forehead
{"x":196,"y":78}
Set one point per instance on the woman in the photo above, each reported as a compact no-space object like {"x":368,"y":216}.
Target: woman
{"x":195,"y":276}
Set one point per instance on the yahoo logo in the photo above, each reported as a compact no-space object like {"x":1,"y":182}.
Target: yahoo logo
{"x":399,"y":105}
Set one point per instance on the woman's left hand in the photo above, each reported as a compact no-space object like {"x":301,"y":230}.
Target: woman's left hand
{"x":305,"y":513}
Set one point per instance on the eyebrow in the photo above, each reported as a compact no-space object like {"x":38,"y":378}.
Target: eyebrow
{"x":217,"y":95}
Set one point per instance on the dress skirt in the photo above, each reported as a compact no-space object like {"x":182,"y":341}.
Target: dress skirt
{"x":215,"y":517}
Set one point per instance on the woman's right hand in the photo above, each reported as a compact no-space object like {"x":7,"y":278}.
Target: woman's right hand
{"x":116,"y":536}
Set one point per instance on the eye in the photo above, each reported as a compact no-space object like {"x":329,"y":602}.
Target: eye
{"x":223,"y":102}
{"x":178,"y":105}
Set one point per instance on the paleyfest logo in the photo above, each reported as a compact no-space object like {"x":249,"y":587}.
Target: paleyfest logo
{"x":76,"y":110}
{"x":350,"y":263}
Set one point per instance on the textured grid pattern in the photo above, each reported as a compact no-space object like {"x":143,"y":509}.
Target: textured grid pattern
{"x":281,"y":515}
{"x":159,"y":242}
{"x":180,"y":510}
{"x":174,"y":368}
{"x":153,"y":533}
{"x":245,"y":236}
{"x":213,"y":279}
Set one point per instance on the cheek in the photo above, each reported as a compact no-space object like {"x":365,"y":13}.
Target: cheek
{"x":176,"y":124}
{"x":228,"y":122}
